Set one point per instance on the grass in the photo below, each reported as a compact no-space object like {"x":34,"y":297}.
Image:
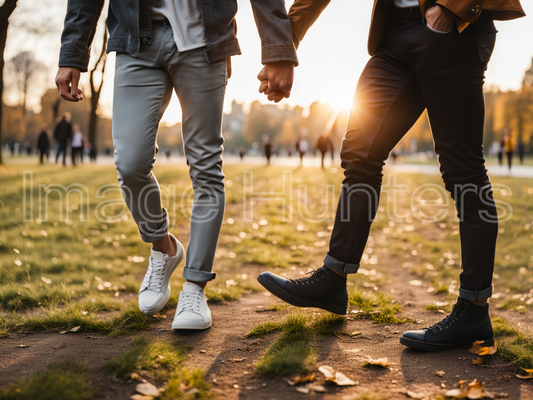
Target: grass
{"x":129,"y":319}
{"x":294,"y":352}
{"x":515,"y":343}
{"x":68,"y":379}
{"x":161,"y":362}
{"x":377,"y":306}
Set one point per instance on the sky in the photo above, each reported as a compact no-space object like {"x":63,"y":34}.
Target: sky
{"x":331,"y":56}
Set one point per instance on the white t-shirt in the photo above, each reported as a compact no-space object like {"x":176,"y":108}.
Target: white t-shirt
{"x":406,"y":3}
{"x":186,"y":20}
{"x":77,"y":140}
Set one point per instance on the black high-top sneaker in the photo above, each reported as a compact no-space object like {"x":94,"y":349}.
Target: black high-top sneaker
{"x":323,"y":289}
{"x":466,"y":324}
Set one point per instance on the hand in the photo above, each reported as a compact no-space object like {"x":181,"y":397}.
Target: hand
{"x":276,"y":80}
{"x":440,"y":18}
{"x":67,"y":81}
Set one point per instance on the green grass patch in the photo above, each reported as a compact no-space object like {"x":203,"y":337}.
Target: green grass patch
{"x":294,"y":352}
{"x":377,"y":306}
{"x":68,"y":379}
{"x":439,"y":309}
{"x":515,"y":343}
{"x":128,"y":320}
{"x":161,"y":361}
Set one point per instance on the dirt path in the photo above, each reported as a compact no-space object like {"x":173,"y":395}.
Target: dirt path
{"x":410,"y":370}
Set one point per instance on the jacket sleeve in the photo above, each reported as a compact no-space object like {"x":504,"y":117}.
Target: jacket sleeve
{"x":78,"y":33}
{"x":275,"y":31}
{"x":467,"y":10}
{"x":303,"y":14}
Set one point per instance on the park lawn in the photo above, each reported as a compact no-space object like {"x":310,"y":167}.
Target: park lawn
{"x":58,"y":271}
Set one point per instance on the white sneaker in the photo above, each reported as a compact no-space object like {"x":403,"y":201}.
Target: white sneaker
{"x":192,"y":311}
{"x":155,"y":288}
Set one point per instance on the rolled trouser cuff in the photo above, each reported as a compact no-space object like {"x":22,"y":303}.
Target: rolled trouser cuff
{"x":476,"y":295}
{"x":160,"y":233}
{"x":340,"y":266}
{"x":198,"y":276}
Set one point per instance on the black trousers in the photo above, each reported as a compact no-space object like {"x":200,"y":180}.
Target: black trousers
{"x":417,"y":69}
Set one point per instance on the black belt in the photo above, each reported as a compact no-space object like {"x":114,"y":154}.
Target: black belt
{"x":160,"y":22}
{"x":407,"y":13}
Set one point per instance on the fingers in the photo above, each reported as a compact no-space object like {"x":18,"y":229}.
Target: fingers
{"x":67,"y":81}
{"x":263,"y":86}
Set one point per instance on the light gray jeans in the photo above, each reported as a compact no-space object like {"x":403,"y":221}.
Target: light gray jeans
{"x":143,"y":87}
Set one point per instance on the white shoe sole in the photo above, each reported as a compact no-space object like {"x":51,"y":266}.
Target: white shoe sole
{"x":191,"y":325}
{"x":180,"y":253}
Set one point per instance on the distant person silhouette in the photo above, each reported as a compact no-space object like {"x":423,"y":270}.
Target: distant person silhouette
{"x":268,"y":149}
{"x":62,"y":135}
{"x":324,"y":144}
{"x":76,"y":145}
{"x":43,"y":144}
{"x":242,"y":153}
{"x":509,"y":146}
{"x":301,"y":147}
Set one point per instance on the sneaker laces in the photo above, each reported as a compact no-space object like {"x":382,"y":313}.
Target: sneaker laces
{"x":453,"y":317}
{"x":155,"y":274}
{"x":314,"y":276}
{"x":189,"y":302}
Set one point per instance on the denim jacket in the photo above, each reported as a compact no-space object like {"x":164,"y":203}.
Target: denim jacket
{"x":129,"y":26}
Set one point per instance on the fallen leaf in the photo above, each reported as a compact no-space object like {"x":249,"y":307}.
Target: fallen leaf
{"x":478,"y":349}
{"x":328,"y":372}
{"x":236,"y":359}
{"x":356,"y":333}
{"x":379,"y":362}
{"x":141,"y":397}
{"x":75,"y":329}
{"x":343,"y":380}
{"x":317,"y":388}
{"x":193,"y":391}
{"x":479,"y":361}
{"x":472,"y":390}
{"x":301,"y":379}
{"x":303,"y":390}
{"x":336,"y":377}
{"x":22,"y":346}
{"x":440,"y":373}
{"x":528,"y":376}
{"x":147,"y":389}
{"x":136,"y":377}
{"x":414,"y":395}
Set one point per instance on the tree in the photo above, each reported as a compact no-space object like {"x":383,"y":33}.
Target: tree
{"x":5,"y":12}
{"x":24,"y":69}
{"x":96,"y":91}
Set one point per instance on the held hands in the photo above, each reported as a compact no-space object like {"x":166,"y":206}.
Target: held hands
{"x":276,"y":80}
{"x":440,"y":18}
{"x":67,"y":80}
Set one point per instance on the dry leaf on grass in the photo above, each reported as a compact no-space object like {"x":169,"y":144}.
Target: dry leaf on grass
{"x":75,"y":329}
{"x":316,"y":388}
{"x":301,"y":379}
{"x":148,"y":389}
{"x":477,"y":348}
{"x":472,"y":390}
{"x":378,"y":362}
{"x":336,"y":377}
{"x":528,"y":376}
{"x":141,"y":397}
{"x":193,"y":391}
{"x":356,"y":333}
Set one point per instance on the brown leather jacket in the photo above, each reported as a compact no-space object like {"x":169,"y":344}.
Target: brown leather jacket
{"x":304,"y":13}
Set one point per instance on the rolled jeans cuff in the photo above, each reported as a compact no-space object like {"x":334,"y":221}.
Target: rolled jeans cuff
{"x":340,"y":266}
{"x":476,"y":295}
{"x":198,"y":276}
{"x":161,"y":232}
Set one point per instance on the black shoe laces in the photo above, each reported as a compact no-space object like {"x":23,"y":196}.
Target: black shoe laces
{"x":457,"y":312}
{"x":314,"y":277}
